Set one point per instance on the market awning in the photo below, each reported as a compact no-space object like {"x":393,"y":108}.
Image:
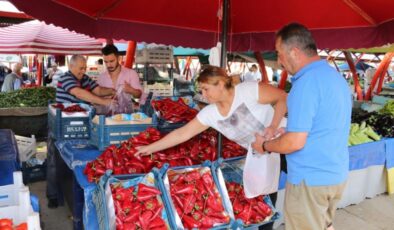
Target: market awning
{"x":252,"y":24}
{"x":36,"y":37}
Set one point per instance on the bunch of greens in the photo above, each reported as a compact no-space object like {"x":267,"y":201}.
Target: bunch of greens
{"x":29,"y":97}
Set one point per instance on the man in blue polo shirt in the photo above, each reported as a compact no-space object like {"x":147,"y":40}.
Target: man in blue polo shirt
{"x":319,"y":113}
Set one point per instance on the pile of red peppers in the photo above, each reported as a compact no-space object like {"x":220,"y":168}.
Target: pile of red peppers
{"x":232,"y":149}
{"x":250,"y":211}
{"x":196,"y":199}
{"x":69,"y":109}
{"x":121,"y":160}
{"x":174,"y":111}
{"x":137,"y":207}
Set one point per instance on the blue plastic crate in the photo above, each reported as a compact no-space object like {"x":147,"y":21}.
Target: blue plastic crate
{"x":381,"y":100}
{"x":9,"y":156}
{"x":34,"y":173}
{"x":174,"y":217}
{"x":100,"y":201}
{"x":62,"y":128}
{"x":103,"y":135}
{"x":231,"y":171}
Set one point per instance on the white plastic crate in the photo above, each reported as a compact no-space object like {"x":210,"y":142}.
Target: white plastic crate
{"x":159,"y":89}
{"x":154,"y":56}
{"x":15,"y":204}
{"x":26,"y":147}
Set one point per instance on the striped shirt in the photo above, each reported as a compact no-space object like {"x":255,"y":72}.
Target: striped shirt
{"x":67,"y":82}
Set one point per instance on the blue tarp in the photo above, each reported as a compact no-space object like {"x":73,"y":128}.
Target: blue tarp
{"x":390,"y":153}
{"x":9,"y":159}
{"x":361,"y":156}
{"x":360,"y":67}
{"x":366,"y":155}
{"x":76,"y":154}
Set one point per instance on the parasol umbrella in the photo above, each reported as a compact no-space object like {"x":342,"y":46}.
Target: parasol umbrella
{"x":196,"y":23}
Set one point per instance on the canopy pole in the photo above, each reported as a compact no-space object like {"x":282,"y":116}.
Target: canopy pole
{"x":263,"y":70}
{"x":283,"y":79}
{"x":186,"y":70}
{"x":352,"y":68}
{"x":226,"y":7}
{"x":130,"y":53}
{"x":384,"y":72}
{"x":380,"y":71}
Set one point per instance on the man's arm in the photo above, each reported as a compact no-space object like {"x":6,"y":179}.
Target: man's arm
{"x":133,"y":91}
{"x":89,"y":97}
{"x":285,"y":144}
{"x":103,"y":91}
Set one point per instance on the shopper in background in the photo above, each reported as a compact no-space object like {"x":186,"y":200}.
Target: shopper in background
{"x":319,"y":110}
{"x":253,"y":74}
{"x":53,"y":75}
{"x":14,"y":80}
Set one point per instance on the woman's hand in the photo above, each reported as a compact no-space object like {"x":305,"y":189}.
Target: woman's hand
{"x":143,"y":150}
{"x":257,"y":144}
{"x":269,"y":133}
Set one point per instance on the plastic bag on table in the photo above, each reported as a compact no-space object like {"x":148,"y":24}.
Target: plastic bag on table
{"x":261,"y":173}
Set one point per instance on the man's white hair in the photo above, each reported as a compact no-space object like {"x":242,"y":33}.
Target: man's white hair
{"x":75,"y":58}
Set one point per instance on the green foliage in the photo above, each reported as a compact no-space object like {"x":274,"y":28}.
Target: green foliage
{"x":29,"y":97}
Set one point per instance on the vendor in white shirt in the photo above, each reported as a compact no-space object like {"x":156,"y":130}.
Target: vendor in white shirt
{"x":253,"y":74}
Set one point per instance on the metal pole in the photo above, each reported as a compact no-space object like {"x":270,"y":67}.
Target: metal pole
{"x":223,"y":58}
{"x":223,"y":38}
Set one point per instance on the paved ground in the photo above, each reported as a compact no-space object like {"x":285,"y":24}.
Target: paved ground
{"x":371,"y":214}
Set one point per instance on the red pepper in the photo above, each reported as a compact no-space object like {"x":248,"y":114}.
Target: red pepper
{"x":127,"y":205}
{"x":188,"y":203}
{"x":157,"y":213}
{"x":208,"y":181}
{"x":193,"y":175}
{"x":237,"y":206}
{"x":131,"y":217}
{"x":129,"y":226}
{"x":178,"y":201}
{"x":119,"y":224}
{"x":118,"y":170}
{"x":151,"y":204}
{"x":157,"y":222}
{"x":109,"y":163}
{"x":144,"y":196}
{"x":145,"y":218}
{"x":122,"y":194}
{"x":214,"y":203}
{"x":207,"y":222}
{"x":137,"y":165}
{"x":265,"y":209}
{"x":190,"y":222}
{"x":149,"y":189}
{"x":22,"y":226}
{"x":197,"y":215}
{"x":183,"y":189}
{"x":5,"y":222}
{"x":199,"y":205}
{"x":245,"y":214}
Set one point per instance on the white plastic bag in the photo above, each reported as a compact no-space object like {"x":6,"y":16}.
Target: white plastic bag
{"x":261,"y":173}
{"x":121,"y":104}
